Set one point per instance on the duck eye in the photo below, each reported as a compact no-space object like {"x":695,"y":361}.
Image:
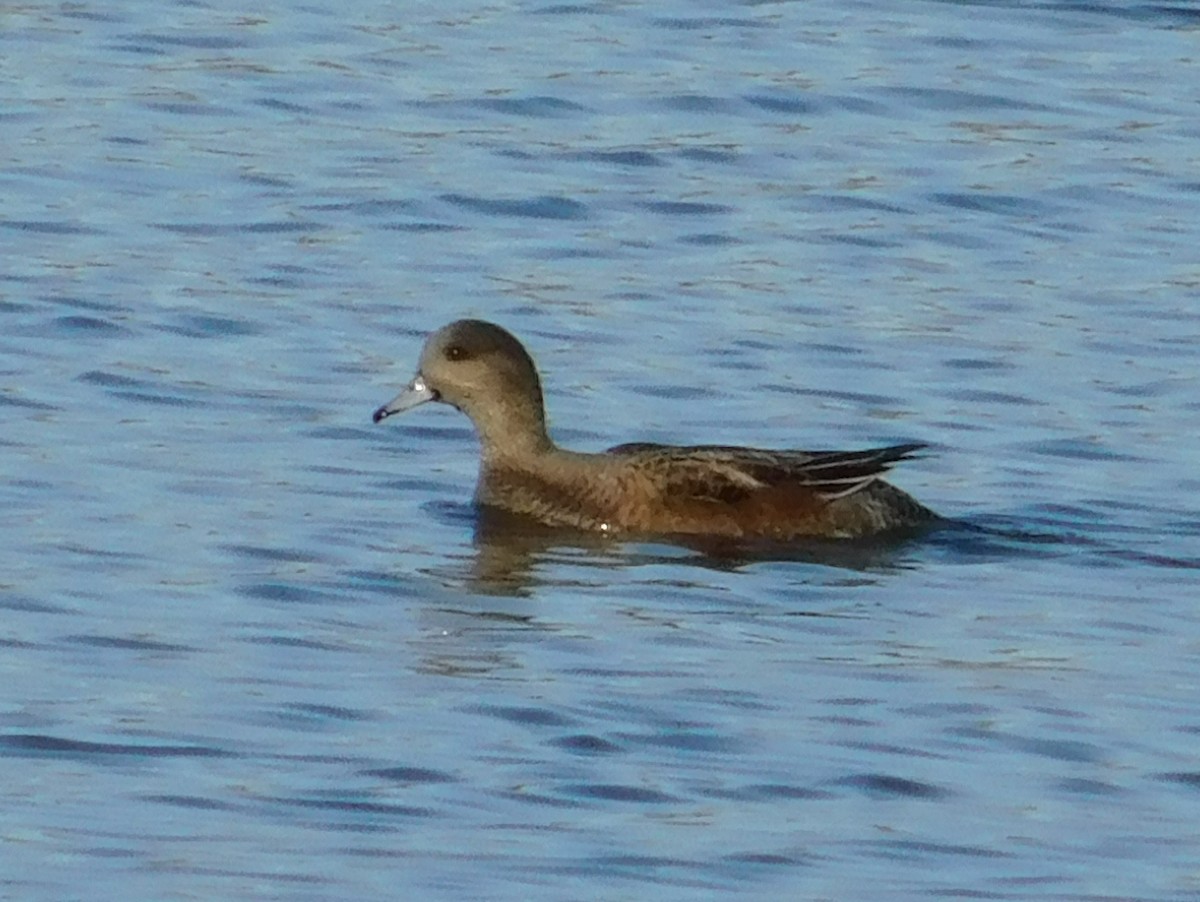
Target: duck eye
{"x":455,"y":352}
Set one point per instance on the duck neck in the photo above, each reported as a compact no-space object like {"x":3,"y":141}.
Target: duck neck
{"x":514,"y":438}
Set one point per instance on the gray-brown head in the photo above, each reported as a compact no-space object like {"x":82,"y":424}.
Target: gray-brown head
{"x":485,"y":372}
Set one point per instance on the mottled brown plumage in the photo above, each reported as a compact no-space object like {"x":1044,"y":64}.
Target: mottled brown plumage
{"x":702,"y":490}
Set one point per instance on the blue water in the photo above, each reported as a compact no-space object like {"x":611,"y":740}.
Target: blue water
{"x":253,"y":646}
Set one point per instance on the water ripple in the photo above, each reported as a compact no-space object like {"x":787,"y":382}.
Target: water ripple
{"x":55,"y":746}
{"x":543,"y":207}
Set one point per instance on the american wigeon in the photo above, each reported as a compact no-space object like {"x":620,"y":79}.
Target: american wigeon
{"x":648,"y":489}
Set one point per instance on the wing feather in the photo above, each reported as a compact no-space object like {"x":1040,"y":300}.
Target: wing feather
{"x":731,"y":474}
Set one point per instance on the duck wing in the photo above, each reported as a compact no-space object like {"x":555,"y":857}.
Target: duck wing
{"x":731,"y":474}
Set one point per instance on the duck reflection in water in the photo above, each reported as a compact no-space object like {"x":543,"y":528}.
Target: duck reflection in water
{"x":514,"y":555}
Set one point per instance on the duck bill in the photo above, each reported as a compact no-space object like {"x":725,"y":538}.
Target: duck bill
{"x":416,"y":394}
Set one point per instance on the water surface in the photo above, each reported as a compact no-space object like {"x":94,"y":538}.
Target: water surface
{"x":255,"y":647}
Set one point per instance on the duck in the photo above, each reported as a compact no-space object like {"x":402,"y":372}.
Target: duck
{"x":642,"y":488}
